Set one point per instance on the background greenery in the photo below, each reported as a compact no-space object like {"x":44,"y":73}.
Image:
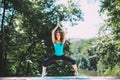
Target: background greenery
{"x":25,"y":38}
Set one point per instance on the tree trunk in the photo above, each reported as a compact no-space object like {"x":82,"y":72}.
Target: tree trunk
{"x":2,"y":47}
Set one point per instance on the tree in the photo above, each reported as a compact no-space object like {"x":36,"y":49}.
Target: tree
{"x":28,"y":33}
{"x":84,"y":54}
{"x":107,"y":47}
{"x":3,"y":33}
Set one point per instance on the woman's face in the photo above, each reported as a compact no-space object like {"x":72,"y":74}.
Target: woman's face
{"x":58,"y":35}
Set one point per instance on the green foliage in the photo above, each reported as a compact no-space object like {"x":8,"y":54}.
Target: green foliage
{"x":107,"y":46}
{"x":84,"y":55}
{"x":114,"y":71}
{"x":26,"y":33}
{"x":107,"y":53}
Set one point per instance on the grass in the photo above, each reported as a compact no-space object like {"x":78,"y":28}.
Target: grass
{"x":87,"y":73}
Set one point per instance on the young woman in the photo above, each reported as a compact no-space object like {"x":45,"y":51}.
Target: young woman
{"x":58,"y":39}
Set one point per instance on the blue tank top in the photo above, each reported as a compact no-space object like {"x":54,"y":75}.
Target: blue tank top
{"x":58,"y":47}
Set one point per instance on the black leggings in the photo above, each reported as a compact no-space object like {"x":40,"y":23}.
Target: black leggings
{"x":53,"y":58}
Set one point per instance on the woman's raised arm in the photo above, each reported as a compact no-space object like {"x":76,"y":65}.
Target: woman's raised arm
{"x":53,"y":33}
{"x":64,"y":33}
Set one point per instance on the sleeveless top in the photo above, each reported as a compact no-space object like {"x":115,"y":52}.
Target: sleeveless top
{"x":58,"y":47}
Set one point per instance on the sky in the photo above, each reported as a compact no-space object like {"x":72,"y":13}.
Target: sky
{"x":92,"y":20}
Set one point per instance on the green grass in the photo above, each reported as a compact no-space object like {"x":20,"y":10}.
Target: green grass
{"x":87,"y":73}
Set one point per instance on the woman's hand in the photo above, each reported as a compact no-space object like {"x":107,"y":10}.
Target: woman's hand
{"x":61,"y":27}
{"x":59,"y":24}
